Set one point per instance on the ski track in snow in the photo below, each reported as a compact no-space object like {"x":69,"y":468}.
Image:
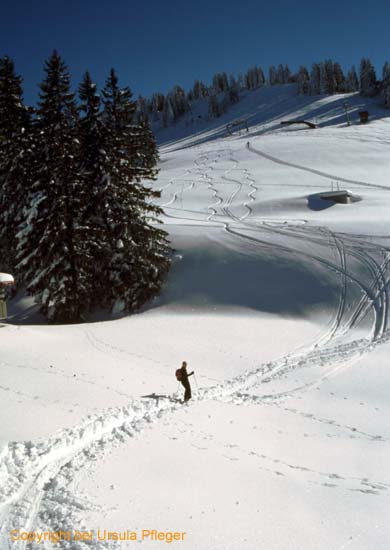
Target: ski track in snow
{"x":317,"y":172}
{"x":280,"y":467}
{"x":376,"y":295}
{"x":34,"y":477}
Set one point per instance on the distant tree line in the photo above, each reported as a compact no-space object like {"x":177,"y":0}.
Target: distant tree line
{"x":324,"y":78}
{"x":78,"y":228}
{"x":328,"y":78}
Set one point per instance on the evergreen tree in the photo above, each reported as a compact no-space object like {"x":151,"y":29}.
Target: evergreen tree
{"x":143,"y":111}
{"x":254,"y":78}
{"x":173,"y":110}
{"x":339,"y":79}
{"x":272,"y":76}
{"x":248,"y":80}
{"x":352,"y":84}
{"x":52,"y":250}
{"x":286,"y":74}
{"x":303,"y":80}
{"x":240,"y":81}
{"x":315,"y":79}
{"x":224,"y":102}
{"x":95,"y":164}
{"x":234,"y":91}
{"x":224,"y":82}
{"x":156,"y":106}
{"x":220,"y":83}
{"x":118,"y":105}
{"x":367,"y":77}
{"x":196,"y":90}
{"x":179,"y":104}
{"x":386,"y":84}
{"x":13,"y":115}
{"x":204,"y":90}
{"x":91,"y":128}
{"x":327,"y":82}
{"x":129,"y":252}
{"x":139,"y":249}
{"x":180,"y":101}
{"x":215,"y":83}
{"x":167,"y":114}
{"x":323,"y":82}
{"x":159,"y":102}
{"x":214,"y":110}
{"x":15,"y":165}
{"x":280,"y":74}
{"x":260,"y":77}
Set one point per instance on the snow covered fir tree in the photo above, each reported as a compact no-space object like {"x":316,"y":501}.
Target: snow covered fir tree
{"x":14,"y":148}
{"x":386,"y":84}
{"x":86,"y":230}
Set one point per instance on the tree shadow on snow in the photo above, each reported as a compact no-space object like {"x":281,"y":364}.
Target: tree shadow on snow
{"x":22,"y":310}
{"x":212,"y":278}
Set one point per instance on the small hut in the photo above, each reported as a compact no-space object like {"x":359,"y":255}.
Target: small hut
{"x":5,"y":280}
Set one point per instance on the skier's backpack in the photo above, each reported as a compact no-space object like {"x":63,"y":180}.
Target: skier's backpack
{"x":179,"y":374}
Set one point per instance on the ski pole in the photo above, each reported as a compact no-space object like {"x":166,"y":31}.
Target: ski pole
{"x":196,"y":382}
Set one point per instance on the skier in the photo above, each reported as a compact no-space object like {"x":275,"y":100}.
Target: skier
{"x":182,"y":376}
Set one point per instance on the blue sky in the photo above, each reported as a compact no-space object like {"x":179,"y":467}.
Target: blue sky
{"x":154,"y":45}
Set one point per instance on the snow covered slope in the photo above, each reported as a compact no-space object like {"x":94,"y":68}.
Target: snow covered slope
{"x":264,"y":109}
{"x":279,"y":302}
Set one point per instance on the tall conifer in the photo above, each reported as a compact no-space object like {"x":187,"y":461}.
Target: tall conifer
{"x":51,"y":248}
{"x":139,"y":258}
{"x":15,"y":162}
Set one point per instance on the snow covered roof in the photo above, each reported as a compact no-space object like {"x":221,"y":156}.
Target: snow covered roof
{"x":6,"y":279}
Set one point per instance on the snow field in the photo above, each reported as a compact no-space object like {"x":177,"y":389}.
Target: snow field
{"x":279,"y":302}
